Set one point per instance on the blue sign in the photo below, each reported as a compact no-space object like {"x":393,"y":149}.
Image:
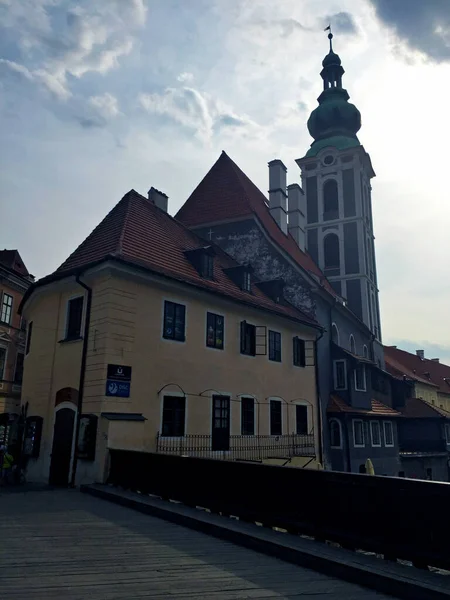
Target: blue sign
{"x":120,"y":389}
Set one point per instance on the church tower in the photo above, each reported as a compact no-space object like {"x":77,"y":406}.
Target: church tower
{"x":336,"y":174}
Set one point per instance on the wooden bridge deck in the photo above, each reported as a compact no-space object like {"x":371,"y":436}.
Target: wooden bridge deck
{"x":67,"y":545}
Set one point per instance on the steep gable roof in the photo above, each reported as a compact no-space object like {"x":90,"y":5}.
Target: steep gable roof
{"x":13,"y":260}
{"x":226,"y":193}
{"x":425,"y":371}
{"x":140,"y":233}
{"x":417,"y":408}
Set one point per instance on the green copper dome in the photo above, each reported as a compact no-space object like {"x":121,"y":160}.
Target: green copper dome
{"x":335,"y":122}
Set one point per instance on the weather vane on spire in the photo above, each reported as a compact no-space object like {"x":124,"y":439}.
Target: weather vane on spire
{"x":330,"y":36}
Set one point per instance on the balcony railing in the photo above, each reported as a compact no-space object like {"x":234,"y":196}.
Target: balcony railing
{"x":240,"y":447}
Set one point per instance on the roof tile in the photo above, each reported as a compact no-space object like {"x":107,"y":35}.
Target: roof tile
{"x":405,"y":363}
{"x":337,"y":405}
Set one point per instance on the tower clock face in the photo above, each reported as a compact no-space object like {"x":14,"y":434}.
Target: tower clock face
{"x":328,"y":160}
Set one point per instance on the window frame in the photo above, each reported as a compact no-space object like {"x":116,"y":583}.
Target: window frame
{"x":363,"y":367}
{"x":3,"y":369}
{"x":354,"y":422}
{"x":298,"y":354}
{"x":352,"y":344}
{"x":275,"y":344}
{"x":246,"y":281}
{"x":333,"y":266}
{"x":67,"y":321}
{"x":335,"y":363}
{"x":305,"y":407}
{"x":244,"y":326}
{"x":242,"y":432}
{"x":28,"y":340}
{"x":385,"y":423}
{"x":272,"y":403}
{"x":214,"y":346}
{"x":173,"y":338}
{"x":339,"y":424}
{"x":365,"y":351}
{"x":207,"y":265}
{"x":182,"y":397}
{"x":377,"y":423}
{"x":8,"y":307}
{"x":338,"y":342}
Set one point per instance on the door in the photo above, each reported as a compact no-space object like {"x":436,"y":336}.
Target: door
{"x":220,"y":423}
{"x":62,"y":447}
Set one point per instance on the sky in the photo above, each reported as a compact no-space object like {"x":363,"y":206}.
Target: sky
{"x":101,"y":96}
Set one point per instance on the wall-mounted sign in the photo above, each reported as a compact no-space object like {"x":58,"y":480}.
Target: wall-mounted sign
{"x":118,"y":381}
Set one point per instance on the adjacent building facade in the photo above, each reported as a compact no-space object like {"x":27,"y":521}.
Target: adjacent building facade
{"x":14,"y":282}
{"x":175,"y":348}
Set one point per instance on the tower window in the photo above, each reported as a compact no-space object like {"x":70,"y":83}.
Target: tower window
{"x":331,"y":252}
{"x":335,"y":334}
{"x":330,"y":200}
{"x":352,"y":344}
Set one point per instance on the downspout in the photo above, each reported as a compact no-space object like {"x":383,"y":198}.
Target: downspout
{"x":319,"y":400}
{"x":87,"y":323}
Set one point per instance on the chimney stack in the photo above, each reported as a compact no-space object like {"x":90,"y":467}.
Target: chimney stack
{"x":158,"y":198}
{"x":421,"y":354}
{"x":434,"y":360}
{"x":277,"y":193}
{"x":296,"y":214}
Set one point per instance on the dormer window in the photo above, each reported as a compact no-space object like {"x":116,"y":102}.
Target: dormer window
{"x":202,"y":259}
{"x":241,"y":275}
{"x":273,"y":288}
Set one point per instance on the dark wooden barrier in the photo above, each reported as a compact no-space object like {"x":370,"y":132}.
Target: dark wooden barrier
{"x":400,"y":518}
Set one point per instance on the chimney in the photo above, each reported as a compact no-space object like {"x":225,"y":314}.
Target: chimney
{"x":277,"y":193}
{"x":434,"y":360}
{"x":296,"y":214}
{"x":158,"y":198}
{"x":421,"y":354}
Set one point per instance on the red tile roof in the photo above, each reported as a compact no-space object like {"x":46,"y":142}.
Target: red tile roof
{"x":338,"y":405}
{"x":140,"y":233}
{"x":405,"y":363}
{"x":226,"y":193}
{"x":416,"y":408}
{"x":13,"y":260}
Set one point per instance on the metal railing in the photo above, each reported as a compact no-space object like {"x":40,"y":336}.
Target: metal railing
{"x":241,"y":447}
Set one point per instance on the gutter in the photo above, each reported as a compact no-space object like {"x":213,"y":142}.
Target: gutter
{"x":319,"y":400}
{"x":87,"y":322}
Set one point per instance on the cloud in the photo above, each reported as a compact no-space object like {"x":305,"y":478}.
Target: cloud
{"x":185,"y":77}
{"x":197,"y":111}
{"x":342,"y":22}
{"x":98,"y":111}
{"x":57,"y":40}
{"x":423,"y":25}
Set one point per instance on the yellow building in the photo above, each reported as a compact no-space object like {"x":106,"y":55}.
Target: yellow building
{"x":174,"y":348}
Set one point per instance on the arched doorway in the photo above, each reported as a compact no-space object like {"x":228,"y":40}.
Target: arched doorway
{"x":62,"y":446}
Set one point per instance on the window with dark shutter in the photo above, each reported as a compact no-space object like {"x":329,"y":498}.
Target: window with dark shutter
{"x":174,"y":321}
{"x":248,"y":338}
{"x":275,"y":346}
{"x":301,"y":419}
{"x":214,"y":331}
{"x":247,"y":416}
{"x":30,"y":331}
{"x":174,"y":413}
{"x":276,"y":427}
{"x":18,"y":374}
{"x":74,"y":318}
{"x":299,"y":359}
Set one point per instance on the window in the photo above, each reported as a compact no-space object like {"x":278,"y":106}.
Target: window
{"x":7,"y":302}
{"x":74,"y":318}
{"x":447,"y":433}
{"x":214,"y":331}
{"x":365,"y":352}
{"x":246,"y":281}
{"x":276,"y":427}
{"x":375,"y":433}
{"x":2,"y":362}
{"x":174,"y":321}
{"x":299,"y":357}
{"x":358,"y":433}
{"x":275,"y":346}
{"x":174,"y":414}
{"x":429,"y":474}
{"x":30,"y":330}
{"x":330,"y":200}
{"x":301,"y":419}
{"x":352,"y":344}
{"x":388,"y":433}
{"x":248,"y":338}
{"x":360,"y":377}
{"x":18,"y":375}
{"x":247,"y":416}
{"x":340,"y":375}
{"x":207,"y":265}
{"x":335,"y":334}
{"x":335,"y":434}
{"x":331,"y":255}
